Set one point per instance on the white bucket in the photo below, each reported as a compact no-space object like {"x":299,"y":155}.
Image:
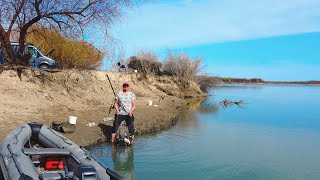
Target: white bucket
{"x":150,"y":103}
{"x":72,"y":119}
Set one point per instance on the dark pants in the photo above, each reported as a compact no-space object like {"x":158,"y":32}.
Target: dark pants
{"x":129,"y":121}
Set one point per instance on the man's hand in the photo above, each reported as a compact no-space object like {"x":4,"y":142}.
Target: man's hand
{"x":130,"y":114}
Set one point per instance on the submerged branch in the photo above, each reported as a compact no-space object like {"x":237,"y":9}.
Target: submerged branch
{"x":226,"y":103}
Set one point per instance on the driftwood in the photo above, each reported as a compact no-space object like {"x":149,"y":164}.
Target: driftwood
{"x":226,"y":103}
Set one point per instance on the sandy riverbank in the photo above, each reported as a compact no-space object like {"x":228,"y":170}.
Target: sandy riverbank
{"x":47,"y":97}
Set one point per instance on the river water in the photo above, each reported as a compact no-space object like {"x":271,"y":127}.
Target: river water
{"x":276,"y":135}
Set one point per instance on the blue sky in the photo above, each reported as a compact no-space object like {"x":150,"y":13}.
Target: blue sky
{"x":269,"y":39}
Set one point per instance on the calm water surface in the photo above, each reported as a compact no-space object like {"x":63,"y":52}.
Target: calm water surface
{"x":275,"y":136}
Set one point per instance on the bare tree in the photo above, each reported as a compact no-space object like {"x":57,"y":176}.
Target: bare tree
{"x":68,"y":16}
{"x":182,"y":66}
{"x":115,"y":55}
{"x":207,"y":82}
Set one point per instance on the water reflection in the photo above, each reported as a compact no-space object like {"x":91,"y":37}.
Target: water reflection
{"x":189,"y":118}
{"x":276,"y":137}
{"x":204,"y":106}
{"x":123,"y":161}
{"x":208,"y":107}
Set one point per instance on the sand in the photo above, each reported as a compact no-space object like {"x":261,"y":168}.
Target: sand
{"x":44,"y":97}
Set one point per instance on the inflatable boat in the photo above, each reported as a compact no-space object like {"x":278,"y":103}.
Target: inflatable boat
{"x":37,"y":152}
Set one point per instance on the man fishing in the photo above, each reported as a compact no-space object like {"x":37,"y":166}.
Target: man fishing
{"x":124,"y":104}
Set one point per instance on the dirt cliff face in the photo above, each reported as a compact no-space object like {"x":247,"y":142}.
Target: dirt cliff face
{"x":45,"y":97}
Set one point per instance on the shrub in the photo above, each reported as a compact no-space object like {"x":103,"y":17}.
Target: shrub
{"x":69,"y":53}
{"x":182,"y":66}
{"x":146,"y":62}
{"x":207,"y":82}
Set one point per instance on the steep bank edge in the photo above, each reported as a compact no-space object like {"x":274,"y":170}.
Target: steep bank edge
{"x":45,"y":97}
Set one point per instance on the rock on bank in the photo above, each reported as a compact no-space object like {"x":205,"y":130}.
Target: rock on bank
{"x":44,"y":97}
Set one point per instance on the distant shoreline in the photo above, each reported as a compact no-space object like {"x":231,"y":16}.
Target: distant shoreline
{"x":293,"y":83}
{"x":260,"y":81}
{"x":276,"y":83}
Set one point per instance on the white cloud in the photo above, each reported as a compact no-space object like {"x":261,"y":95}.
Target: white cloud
{"x":201,"y":22}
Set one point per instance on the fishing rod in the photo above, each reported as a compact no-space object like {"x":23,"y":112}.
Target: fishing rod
{"x":111,"y":85}
{"x":112,"y":105}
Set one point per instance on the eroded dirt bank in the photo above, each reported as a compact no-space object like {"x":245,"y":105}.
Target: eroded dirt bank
{"x":45,"y":97}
